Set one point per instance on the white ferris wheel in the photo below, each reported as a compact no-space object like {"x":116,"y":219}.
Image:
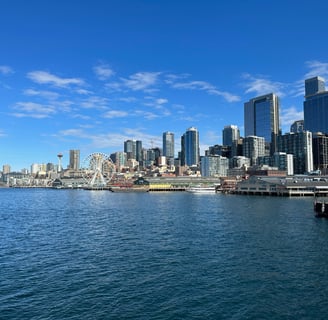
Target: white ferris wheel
{"x":98,"y":169}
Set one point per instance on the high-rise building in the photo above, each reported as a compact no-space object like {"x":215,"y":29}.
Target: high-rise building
{"x":74,"y":159}
{"x":191,"y":147}
{"x":6,"y":169}
{"x":315,"y":106}
{"x":284,"y":162}
{"x":214,"y":166}
{"x":253,"y":148}
{"x":300,"y":146}
{"x":230,"y":134}
{"x":261,"y":119}
{"x":130,"y":148}
{"x":230,"y":137}
{"x":168,"y":146}
{"x":320,"y":152}
{"x":139,"y":156}
{"x":314,"y":85}
{"x":297,"y":126}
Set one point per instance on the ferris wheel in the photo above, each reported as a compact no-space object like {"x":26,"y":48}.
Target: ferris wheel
{"x":98,"y":169}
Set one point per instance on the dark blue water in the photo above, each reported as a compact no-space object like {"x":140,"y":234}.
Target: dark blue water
{"x":100,"y":255}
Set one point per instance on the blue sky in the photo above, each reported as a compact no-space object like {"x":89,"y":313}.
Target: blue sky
{"x":89,"y":75}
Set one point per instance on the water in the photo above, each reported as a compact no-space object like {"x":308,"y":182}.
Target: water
{"x":75,"y":254}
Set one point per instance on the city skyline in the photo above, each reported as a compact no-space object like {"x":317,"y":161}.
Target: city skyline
{"x":92,"y":77}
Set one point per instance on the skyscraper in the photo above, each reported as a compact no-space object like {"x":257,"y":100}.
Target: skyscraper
{"x":230,"y":138}
{"x":315,"y":105}
{"x":300,"y":146}
{"x":230,"y":134}
{"x":191,"y":147}
{"x":261,"y":118}
{"x":253,"y":148}
{"x":297,"y":126}
{"x":168,"y":146}
{"x":130,"y":148}
{"x":74,"y":159}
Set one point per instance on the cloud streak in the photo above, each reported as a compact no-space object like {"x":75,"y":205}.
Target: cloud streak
{"x":103,"y":72}
{"x":43,"y":77}
{"x":6,"y":70}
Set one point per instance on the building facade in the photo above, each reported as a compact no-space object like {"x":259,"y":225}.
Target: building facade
{"x":191,"y":147}
{"x":74,"y":159}
{"x":168,"y":146}
{"x":320,"y":152}
{"x":300,"y":146}
{"x":261,"y":119}
{"x":130,"y":148}
{"x":253,"y":148}
{"x":297,"y":126}
{"x":214,"y":166}
{"x":315,"y":106}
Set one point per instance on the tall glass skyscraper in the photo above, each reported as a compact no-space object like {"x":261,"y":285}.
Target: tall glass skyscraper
{"x":230,"y":134}
{"x":261,"y":118}
{"x":168,"y":145}
{"x":191,"y":147}
{"x":315,"y":106}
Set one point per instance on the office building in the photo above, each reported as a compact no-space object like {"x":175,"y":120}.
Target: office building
{"x":214,"y":166}
{"x":130,"y":148}
{"x":74,"y":159}
{"x":300,"y":146}
{"x":253,"y":148}
{"x":231,"y":137}
{"x":261,"y":119}
{"x":320,"y":152}
{"x":297,"y":126}
{"x":315,"y":106}
{"x":6,"y":169}
{"x":168,"y":146}
{"x":139,"y":154}
{"x":284,"y":162}
{"x":191,"y":147}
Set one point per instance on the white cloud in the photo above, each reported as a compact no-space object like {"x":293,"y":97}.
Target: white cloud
{"x":115,"y":114}
{"x":34,"y":110}
{"x":146,"y":114}
{"x":84,"y":92}
{"x":260,"y":86}
{"x":289,"y":115}
{"x":43,"y":77}
{"x":41,"y":93}
{"x":141,"y":80}
{"x":103,"y":71}
{"x":206,"y":86}
{"x":317,"y":68}
{"x":95,"y":102}
{"x":6,"y":70}
{"x":2,"y":134}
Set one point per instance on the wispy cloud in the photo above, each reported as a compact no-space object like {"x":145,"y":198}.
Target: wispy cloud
{"x":2,"y":134}
{"x":317,"y":68}
{"x":205,"y":86}
{"x":141,"y":80}
{"x":33,"y":110}
{"x":43,"y":77}
{"x":115,"y":114}
{"x":6,"y":70}
{"x":103,"y":71}
{"x":146,"y":114}
{"x":261,"y":85}
{"x":95,"y":102}
{"x":289,"y":115}
{"x":41,"y":93}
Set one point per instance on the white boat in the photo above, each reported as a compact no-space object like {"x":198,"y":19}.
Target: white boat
{"x":201,"y":189}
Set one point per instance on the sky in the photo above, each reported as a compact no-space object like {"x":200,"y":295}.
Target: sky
{"x":88,"y":75}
